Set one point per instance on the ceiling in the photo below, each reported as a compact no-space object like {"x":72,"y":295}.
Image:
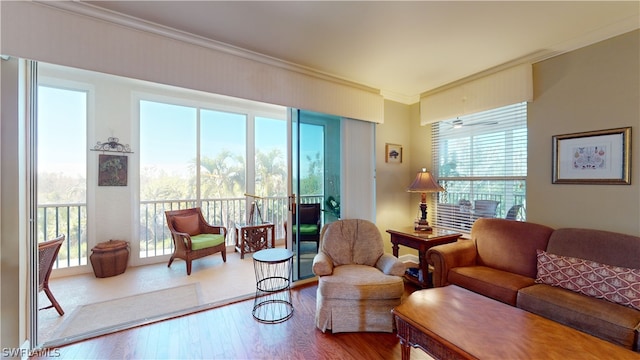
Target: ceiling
{"x":401,"y":48}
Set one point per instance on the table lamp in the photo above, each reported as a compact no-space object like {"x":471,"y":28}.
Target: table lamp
{"x":424,"y":183}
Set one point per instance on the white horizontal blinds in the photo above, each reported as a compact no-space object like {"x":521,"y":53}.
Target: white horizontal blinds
{"x":481,"y":156}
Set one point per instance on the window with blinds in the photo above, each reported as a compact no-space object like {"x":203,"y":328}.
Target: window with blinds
{"x":481,"y":161}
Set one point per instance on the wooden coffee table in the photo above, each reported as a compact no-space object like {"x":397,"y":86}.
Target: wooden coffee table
{"x":454,"y":323}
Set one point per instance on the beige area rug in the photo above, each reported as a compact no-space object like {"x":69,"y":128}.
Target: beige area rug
{"x":123,"y":312}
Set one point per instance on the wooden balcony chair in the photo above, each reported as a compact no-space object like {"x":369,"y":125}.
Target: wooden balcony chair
{"x":193,"y":237}
{"x":310,"y":223}
{"x":47,"y":255}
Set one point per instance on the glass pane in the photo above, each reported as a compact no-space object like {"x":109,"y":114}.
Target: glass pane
{"x":318,"y":185}
{"x":62,"y":170}
{"x":168,"y":155}
{"x":271,"y":170}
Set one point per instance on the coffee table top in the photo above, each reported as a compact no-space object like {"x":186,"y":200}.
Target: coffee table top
{"x":488,"y":329}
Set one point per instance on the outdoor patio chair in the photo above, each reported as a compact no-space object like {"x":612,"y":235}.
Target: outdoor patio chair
{"x":193,"y":237}
{"x":47,"y":255}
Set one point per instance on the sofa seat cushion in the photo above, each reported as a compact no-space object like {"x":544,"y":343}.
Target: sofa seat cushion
{"x":356,"y":282}
{"x":600,"y":318}
{"x":497,"y":284}
{"x":204,"y":241}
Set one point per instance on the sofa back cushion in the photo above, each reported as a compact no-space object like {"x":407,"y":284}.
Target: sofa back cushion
{"x":509,"y":245}
{"x":613,"y":283}
{"x":597,"y":245}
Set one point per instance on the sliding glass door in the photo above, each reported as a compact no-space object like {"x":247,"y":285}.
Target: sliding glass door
{"x":315,"y":183}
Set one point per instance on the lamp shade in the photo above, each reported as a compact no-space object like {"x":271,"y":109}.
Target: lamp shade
{"x":424,"y":182}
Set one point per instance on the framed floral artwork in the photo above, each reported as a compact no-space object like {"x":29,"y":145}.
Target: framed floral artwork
{"x":593,"y":157}
{"x":112,"y":170}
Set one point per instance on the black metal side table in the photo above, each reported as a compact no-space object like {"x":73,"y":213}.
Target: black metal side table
{"x":273,"y":268}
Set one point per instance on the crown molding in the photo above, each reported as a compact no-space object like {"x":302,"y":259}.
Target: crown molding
{"x":92,"y":11}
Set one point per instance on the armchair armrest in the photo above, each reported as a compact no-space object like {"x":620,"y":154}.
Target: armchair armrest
{"x":322,"y":264}
{"x":213,"y":229}
{"x":182,"y":238}
{"x":390,"y":265}
{"x":448,"y":256}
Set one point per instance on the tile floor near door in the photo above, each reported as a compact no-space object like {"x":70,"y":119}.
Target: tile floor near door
{"x":218,"y":282}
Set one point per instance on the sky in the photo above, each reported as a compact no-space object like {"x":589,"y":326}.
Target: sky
{"x":168,"y":133}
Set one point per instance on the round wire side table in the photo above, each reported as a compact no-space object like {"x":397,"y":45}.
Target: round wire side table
{"x":273,"y":268}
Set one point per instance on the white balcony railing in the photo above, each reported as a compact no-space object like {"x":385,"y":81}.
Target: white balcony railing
{"x":154,"y":237}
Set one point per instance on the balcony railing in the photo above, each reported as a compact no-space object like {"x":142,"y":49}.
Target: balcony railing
{"x":70,"y":220}
{"x":154,"y":235}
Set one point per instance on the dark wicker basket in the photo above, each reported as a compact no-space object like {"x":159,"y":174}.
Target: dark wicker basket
{"x":110,"y":258}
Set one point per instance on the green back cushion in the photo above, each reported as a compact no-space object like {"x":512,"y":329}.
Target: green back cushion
{"x":203,"y":241}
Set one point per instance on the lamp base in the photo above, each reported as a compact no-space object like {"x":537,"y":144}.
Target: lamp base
{"x":419,"y":227}
{"x":422,"y":225}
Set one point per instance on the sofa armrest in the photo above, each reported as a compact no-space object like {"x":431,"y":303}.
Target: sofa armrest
{"x":448,"y":256}
{"x":322,"y":264}
{"x":390,"y":265}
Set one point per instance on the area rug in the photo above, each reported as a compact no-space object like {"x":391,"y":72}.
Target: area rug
{"x":128,"y":311}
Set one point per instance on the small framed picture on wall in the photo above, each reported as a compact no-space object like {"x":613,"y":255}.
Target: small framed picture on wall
{"x":393,"y":153}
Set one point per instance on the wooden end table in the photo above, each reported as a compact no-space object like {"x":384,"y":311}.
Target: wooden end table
{"x":250,"y":238}
{"x":421,"y":241}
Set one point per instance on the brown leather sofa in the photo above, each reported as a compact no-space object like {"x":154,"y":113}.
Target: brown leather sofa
{"x":501,"y":261}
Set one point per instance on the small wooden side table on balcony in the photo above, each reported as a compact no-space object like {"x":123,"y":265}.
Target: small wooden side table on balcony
{"x":250,"y":238}
{"x":421,"y":241}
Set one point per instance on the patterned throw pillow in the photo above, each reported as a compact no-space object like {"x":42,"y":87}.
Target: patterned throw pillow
{"x":613,"y":283}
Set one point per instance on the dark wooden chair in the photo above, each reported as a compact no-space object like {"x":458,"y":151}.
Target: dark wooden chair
{"x":47,"y":255}
{"x":310,"y":223}
{"x":193,"y":237}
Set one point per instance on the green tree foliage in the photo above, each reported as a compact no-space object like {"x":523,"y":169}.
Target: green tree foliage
{"x":271,"y":173}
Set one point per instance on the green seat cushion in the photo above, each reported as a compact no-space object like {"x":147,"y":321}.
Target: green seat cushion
{"x":307,"y":229}
{"x":203,"y":241}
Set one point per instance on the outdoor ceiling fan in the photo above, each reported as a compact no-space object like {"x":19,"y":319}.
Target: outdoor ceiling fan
{"x":458,"y":123}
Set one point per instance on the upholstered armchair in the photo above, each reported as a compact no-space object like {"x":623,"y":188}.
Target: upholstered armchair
{"x":359,"y":284}
{"x":193,"y":237}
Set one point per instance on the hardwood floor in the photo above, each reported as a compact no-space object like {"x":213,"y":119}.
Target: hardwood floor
{"x":230,"y":332}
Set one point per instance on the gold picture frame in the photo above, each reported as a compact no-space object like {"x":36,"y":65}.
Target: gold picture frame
{"x":593,"y":157}
{"x":393,"y":153}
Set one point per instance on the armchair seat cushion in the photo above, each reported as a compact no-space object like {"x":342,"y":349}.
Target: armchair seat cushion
{"x":357,"y":282}
{"x":497,"y":284}
{"x":307,"y":229}
{"x":204,"y":241}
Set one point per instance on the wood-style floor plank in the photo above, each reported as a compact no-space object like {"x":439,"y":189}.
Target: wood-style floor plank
{"x":231,"y":332}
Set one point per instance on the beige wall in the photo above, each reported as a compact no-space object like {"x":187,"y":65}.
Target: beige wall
{"x":392,"y":179}
{"x":593,"y":88}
